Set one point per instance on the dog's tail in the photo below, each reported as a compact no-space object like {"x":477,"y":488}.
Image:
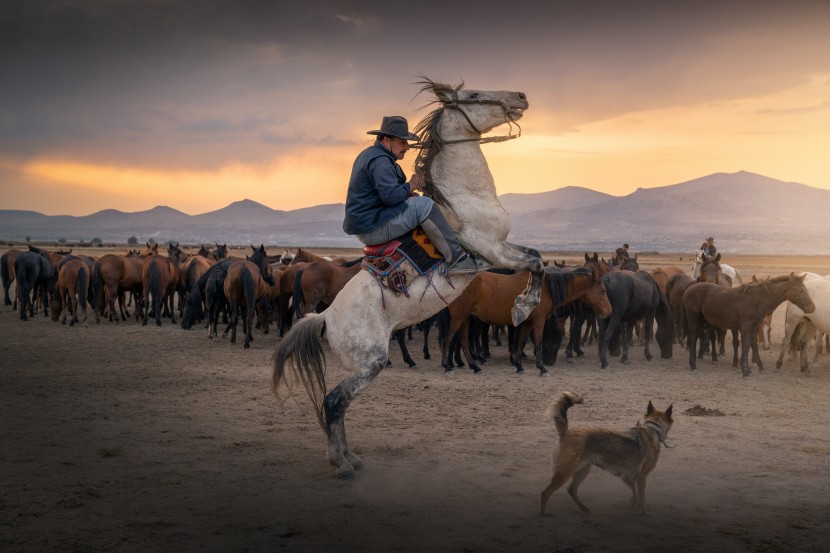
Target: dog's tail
{"x":558,"y":411}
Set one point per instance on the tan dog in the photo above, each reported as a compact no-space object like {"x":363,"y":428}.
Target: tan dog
{"x":631,"y":455}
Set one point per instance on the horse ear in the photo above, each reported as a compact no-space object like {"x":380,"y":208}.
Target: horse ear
{"x":669,"y":411}
{"x":252,"y":247}
{"x":650,"y":408}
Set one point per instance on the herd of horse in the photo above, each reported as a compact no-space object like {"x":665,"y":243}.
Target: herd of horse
{"x":312,"y":299}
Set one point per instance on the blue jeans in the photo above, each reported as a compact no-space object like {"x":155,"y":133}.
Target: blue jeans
{"x":417,"y":209}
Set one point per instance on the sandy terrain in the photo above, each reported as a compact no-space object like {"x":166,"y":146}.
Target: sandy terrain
{"x":129,"y":438}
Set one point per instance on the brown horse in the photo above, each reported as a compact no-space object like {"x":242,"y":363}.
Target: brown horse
{"x":112,"y":276}
{"x":247,"y":285}
{"x":71,"y":291}
{"x":285,"y":293}
{"x":662,"y":275}
{"x":159,"y":276}
{"x":320,"y":281}
{"x":490,"y":297}
{"x":7,"y":272}
{"x":740,"y":309}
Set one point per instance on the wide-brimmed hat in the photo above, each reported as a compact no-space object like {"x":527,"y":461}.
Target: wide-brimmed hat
{"x":397,"y":126}
{"x":710,"y":239}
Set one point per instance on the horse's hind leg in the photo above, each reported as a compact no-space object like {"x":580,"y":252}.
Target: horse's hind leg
{"x":335,"y":405}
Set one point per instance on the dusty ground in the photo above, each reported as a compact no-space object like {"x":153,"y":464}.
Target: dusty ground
{"x":129,"y":438}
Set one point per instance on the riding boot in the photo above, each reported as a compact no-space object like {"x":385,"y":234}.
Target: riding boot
{"x":446,"y":242}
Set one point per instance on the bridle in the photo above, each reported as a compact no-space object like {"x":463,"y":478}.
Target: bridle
{"x":456,"y":104}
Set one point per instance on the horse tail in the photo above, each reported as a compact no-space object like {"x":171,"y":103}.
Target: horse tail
{"x":558,"y":411}
{"x":7,"y":278}
{"x":300,"y":353}
{"x":82,"y":287}
{"x":97,"y":284}
{"x":154,"y":287}
{"x":297,"y":297}
{"x":249,"y":290}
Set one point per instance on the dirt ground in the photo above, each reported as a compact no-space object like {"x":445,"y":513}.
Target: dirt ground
{"x":129,"y":438}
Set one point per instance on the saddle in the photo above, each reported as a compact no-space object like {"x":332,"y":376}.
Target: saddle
{"x":415,"y":246}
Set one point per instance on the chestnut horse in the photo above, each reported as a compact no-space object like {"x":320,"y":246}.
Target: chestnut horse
{"x":739,"y":309}
{"x":71,"y":291}
{"x":112,"y":275}
{"x":7,"y":273}
{"x":319,"y":282}
{"x":490,"y":297}
{"x":159,"y":276}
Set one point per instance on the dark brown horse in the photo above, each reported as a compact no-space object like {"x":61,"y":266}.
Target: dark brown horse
{"x":741,"y":310}
{"x":159,"y":277}
{"x":285,"y":293}
{"x":319,"y":282}
{"x":247,"y":286}
{"x":72,"y":291}
{"x":190,"y":272}
{"x":490,"y":297}
{"x":34,"y":273}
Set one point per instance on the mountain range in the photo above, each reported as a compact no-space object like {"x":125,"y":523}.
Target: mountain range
{"x":746,"y":212}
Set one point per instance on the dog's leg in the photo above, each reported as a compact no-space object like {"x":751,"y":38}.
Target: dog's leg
{"x":641,"y":495}
{"x":560,"y":476}
{"x":630,"y":483}
{"x":577,"y":479}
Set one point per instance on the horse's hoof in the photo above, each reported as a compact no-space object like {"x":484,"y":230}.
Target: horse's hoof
{"x":626,"y":361}
{"x":603,"y":366}
{"x":520,"y":371}
{"x":477,"y":370}
{"x":569,"y":360}
{"x":413,"y":366}
{"x":544,"y":372}
{"x":345,"y":474}
{"x":449,"y":372}
{"x":426,"y":356}
{"x":649,"y":357}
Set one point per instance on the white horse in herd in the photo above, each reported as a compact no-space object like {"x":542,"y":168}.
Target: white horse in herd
{"x":728,"y":270}
{"x":800,"y":327}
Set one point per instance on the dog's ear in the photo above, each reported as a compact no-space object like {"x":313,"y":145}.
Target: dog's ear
{"x":650,"y":408}
{"x":668,"y":411}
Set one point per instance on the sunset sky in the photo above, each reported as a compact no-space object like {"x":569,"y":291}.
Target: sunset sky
{"x":196,"y":104}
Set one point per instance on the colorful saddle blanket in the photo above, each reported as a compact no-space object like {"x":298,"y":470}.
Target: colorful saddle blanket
{"x":415,"y":246}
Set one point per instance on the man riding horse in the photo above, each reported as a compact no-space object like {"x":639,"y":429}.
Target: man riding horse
{"x":381,"y":205}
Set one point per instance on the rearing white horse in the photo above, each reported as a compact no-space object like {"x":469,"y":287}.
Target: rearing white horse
{"x":362,"y":317}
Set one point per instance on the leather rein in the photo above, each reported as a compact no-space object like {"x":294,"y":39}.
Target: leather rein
{"x":456,"y":104}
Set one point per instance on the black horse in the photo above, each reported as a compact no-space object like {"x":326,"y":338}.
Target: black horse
{"x":634,"y":297}
{"x":35,"y":275}
{"x":207,"y":291}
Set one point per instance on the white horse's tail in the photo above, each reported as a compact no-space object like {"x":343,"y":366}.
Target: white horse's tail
{"x":738,"y":276}
{"x":301,"y":352}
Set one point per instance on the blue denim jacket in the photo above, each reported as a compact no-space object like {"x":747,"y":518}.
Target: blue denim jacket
{"x":377,"y":190}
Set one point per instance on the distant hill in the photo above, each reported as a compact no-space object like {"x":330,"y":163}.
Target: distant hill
{"x":746,"y":212}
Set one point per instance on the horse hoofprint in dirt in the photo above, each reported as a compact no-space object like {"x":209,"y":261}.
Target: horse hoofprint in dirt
{"x":357,"y":325}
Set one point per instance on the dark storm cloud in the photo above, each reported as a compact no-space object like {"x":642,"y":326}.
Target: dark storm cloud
{"x":83,"y":76}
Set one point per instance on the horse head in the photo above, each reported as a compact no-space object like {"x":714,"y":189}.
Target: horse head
{"x":797,"y":293}
{"x":259,"y":257}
